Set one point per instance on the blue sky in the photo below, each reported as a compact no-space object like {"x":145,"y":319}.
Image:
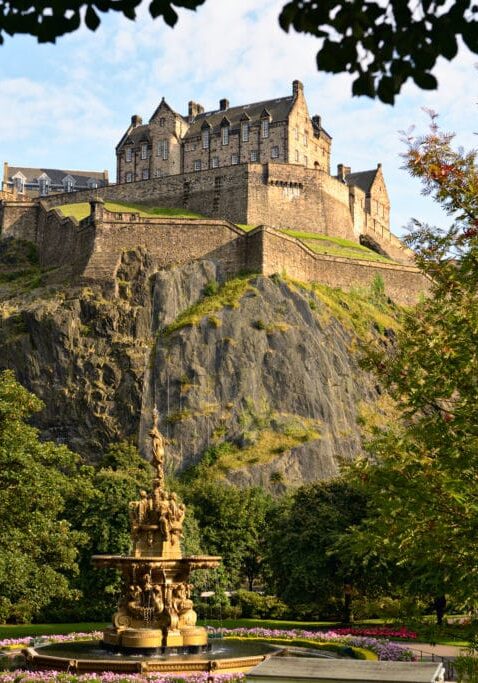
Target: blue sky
{"x":67,"y":105}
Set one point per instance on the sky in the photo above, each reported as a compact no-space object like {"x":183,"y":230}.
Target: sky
{"x":67,"y":105}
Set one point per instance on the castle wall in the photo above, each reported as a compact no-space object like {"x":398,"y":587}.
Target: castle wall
{"x":19,"y":220}
{"x":282,"y":254}
{"x":286,"y":196}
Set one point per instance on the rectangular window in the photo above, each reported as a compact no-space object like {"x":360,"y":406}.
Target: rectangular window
{"x":305,"y":139}
{"x":18,"y":184}
{"x":305,"y":161}
{"x":215,"y":162}
{"x":296,"y":132}
{"x":234,"y":159}
{"x":197,"y":165}
{"x":145,"y":174}
{"x":159,"y":151}
{"x":129,"y":177}
{"x":275,"y":152}
{"x":129,"y":154}
{"x":265,"y":128}
{"x":205,"y":138}
{"x":225,"y":135}
{"x":297,"y":155}
{"x":144,"y":151}
{"x":245,"y":132}
{"x":165,"y":149}
{"x":254,"y":155}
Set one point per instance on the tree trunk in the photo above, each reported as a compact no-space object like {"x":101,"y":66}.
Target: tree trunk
{"x":347,"y":616}
{"x":440,"y":606}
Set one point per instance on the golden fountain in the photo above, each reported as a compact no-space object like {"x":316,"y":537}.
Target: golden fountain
{"x":155,"y":610}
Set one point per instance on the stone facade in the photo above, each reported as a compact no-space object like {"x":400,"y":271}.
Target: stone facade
{"x":90,"y":251}
{"x":279,"y":130}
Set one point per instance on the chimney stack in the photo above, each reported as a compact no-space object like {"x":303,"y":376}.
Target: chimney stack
{"x":317,"y":122}
{"x":136,"y":120}
{"x":297,"y":87}
{"x":343,"y":171}
{"x":194,"y":108}
{"x":223,"y":104}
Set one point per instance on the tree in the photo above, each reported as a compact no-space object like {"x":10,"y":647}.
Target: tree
{"x":232,"y":523}
{"x":422,"y":477}
{"x":383,"y":44}
{"x":39,"y":547}
{"x":306,"y":564}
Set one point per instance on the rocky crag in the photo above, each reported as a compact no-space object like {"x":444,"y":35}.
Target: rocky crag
{"x":256,"y":379}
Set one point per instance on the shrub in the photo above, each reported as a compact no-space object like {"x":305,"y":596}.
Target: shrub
{"x":257,"y":606}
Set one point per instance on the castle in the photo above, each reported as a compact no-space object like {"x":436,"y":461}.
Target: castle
{"x":265,"y":164}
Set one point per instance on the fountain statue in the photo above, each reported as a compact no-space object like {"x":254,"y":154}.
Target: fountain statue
{"x":155,"y":610}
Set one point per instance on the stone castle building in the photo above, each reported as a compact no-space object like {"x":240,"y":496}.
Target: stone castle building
{"x":263,"y":134}
{"x":253,"y":173}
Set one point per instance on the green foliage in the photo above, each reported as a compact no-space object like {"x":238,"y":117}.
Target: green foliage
{"x":307,"y":567}
{"x":256,"y":606}
{"x":232,"y":523}
{"x":421,"y":479}
{"x":39,"y":547}
{"x":383,"y":45}
{"x":101,"y":513}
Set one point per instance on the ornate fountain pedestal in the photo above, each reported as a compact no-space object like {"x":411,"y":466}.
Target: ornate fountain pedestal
{"x":155,"y":610}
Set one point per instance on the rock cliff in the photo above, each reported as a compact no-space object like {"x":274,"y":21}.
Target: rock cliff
{"x":256,"y":379}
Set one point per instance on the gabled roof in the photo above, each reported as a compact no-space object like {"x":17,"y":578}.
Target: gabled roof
{"x":278,"y":109}
{"x":164,"y":105}
{"x":56,"y":175}
{"x":136,"y":135}
{"x":362,"y":179}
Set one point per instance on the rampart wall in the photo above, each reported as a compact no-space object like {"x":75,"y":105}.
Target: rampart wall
{"x":19,"y":220}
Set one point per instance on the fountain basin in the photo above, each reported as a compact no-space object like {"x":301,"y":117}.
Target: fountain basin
{"x":225,"y":656}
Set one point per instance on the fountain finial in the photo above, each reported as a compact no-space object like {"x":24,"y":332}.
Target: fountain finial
{"x":157,"y":448}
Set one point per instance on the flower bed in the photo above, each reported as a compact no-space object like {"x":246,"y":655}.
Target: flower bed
{"x":384,"y":649}
{"x":61,"y":677}
{"x":378,"y":632}
{"x":16,"y":643}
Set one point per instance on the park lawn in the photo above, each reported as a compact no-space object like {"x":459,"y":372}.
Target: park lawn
{"x":25,"y":630}
{"x":336,"y":246}
{"x":81,"y":210}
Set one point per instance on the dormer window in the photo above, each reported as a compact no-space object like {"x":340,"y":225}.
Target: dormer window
{"x":93,"y":184}
{"x":144,"y":150}
{"x":129,"y":154}
{"x":265,"y":128}
{"x":245,"y":132}
{"x":225,"y":135}
{"x":68,"y":183}
{"x":205,"y":138}
{"x":19,"y":183}
{"x":44,"y":185}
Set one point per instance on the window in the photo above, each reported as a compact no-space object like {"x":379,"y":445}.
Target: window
{"x":163,"y":149}
{"x":245,"y":132}
{"x":197,"y":165}
{"x":129,"y":154}
{"x":297,"y":155}
{"x":205,"y":138}
{"x":44,"y":185}
{"x":225,"y":135}
{"x":161,"y":122}
{"x":305,"y":161}
{"x":265,"y":128}
{"x":129,"y":177}
{"x":296,"y":132}
{"x":144,"y":151}
{"x":215,"y":162}
{"x":19,"y":183}
{"x":254,"y":155}
{"x":93,"y":184}
{"x":68,"y":184}
{"x":275,"y":152}
{"x":305,"y":139}
{"x":145,"y":174}
{"x":234,"y":159}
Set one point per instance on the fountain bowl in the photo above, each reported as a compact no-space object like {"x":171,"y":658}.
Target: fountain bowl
{"x":221,"y":656}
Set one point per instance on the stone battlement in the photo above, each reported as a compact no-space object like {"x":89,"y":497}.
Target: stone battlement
{"x":90,"y":251}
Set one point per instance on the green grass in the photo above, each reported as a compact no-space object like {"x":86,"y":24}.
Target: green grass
{"x":25,"y":630}
{"x":336,"y":246}
{"x":226,"y":295}
{"x":245,"y":227}
{"x":82,"y":210}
